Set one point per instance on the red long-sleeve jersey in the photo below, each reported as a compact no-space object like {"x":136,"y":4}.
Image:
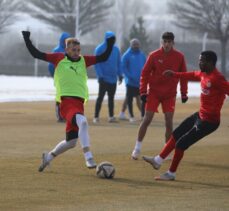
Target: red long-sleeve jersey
{"x":55,"y":58}
{"x":152,"y":78}
{"x":214,"y":87}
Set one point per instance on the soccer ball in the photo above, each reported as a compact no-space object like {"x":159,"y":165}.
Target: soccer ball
{"x":105,"y":170}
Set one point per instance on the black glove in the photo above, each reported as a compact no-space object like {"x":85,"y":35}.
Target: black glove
{"x":105,"y":55}
{"x":120,"y":79}
{"x":184,"y":98}
{"x":26,"y":34}
{"x":144,"y":98}
{"x":110,"y":41}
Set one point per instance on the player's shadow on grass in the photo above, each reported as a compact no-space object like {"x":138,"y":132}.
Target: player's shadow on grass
{"x":133,"y":182}
{"x":182,"y":184}
{"x":206,"y":184}
{"x":212,"y":166}
{"x":145,"y":184}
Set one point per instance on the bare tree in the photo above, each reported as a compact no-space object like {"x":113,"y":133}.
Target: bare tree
{"x":211,"y":16}
{"x":127,"y":13}
{"x":7,"y":15}
{"x":139,"y":31}
{"x":62,"y":14}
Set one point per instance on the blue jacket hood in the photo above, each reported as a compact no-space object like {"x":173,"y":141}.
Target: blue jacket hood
{"x":109,"y":34}
{"x":59,"y":48}
{"x":62,"y":39}
{"x":109,"y":70}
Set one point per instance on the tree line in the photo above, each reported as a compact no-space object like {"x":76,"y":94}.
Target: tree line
{"x":194,"y":16}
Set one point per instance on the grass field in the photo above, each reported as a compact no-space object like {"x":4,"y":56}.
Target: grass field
{"x":28,"y":129}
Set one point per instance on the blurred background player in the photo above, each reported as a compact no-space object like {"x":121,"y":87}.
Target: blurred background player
{"x":132,"y":63}
{"x":51,"y":68}
{"x":156,"y":89}
{"x":107,"y":74}
{"x":70,"y":68}
{"x":214,"y":87}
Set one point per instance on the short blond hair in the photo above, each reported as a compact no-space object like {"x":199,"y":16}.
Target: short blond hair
{"x":71,"y":40}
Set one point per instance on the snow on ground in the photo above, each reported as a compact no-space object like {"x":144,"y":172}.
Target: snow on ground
{"x":24,"y":88}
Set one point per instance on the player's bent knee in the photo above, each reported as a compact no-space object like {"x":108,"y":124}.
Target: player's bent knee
{"x":84,"y":121}
{"x":72,"y":143}
{"x":81,"y":120}
{"x":182,"y":146}
{"x":72,"y":135}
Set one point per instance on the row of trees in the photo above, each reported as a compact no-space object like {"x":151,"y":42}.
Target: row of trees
{"x":8,"y":18}
{"x":66,"y":15}
{"x":206,"y":16}
{"x":211,"y":16}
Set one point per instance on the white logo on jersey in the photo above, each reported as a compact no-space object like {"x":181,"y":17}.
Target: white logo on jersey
{"x":209,"y":84}
{"x":205,"y":91}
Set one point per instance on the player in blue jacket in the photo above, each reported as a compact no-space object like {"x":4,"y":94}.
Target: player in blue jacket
{"x":59,"y":48}
{"x":107,"y":74}
{"x":132,"y":63}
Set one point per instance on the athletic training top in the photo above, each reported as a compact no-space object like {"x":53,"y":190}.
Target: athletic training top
{"x":214,"y":87}
{"x":71,"y":76}
{"x":152,"y":78}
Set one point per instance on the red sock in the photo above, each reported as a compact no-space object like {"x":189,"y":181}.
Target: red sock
{"x":169,"y":146}
{"x":178,"y":155}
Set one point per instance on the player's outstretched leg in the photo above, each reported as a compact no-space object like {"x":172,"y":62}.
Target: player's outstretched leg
{"x":44,"y":162}
{"x":167,"y":176}
{"x":60,"y":148}
{"x":152,"y":161}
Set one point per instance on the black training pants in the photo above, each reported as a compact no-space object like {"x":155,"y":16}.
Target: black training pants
{"x":191,"y":130}
{"x":110,"y":89}
{"x":130,"y":94}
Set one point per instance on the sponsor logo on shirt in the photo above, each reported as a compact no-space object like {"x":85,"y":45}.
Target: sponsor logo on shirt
{"x":74,"y":69}
{"x":209,"y":84}
{"x":205,"y":91}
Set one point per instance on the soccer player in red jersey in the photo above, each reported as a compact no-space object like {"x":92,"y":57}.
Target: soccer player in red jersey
{"x":156,"y":89}
{"x":214,"y":87}
{"x":71,"y":73}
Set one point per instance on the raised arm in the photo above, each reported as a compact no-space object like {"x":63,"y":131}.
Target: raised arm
{"x":32,"y":49}
{"x":105,"y":55}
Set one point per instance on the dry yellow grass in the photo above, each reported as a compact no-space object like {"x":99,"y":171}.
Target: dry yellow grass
{"x":27,"y":129}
